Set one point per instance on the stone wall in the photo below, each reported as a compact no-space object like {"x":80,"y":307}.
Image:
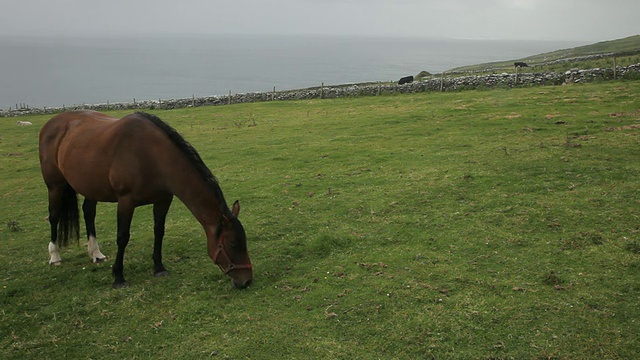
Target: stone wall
{"x":504,"y":80}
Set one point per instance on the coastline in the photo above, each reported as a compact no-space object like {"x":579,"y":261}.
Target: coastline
{"x":51,"y":71}
{"x":433,"y":84}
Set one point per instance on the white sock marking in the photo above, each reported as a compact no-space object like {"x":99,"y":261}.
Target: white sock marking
{"x":54,"y":252}
{"x":94,"y":250}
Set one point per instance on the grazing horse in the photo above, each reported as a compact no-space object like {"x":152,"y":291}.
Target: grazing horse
{"x":136,"y":160}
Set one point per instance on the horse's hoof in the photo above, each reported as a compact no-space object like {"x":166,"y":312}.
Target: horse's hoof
{"x":99,"y":261}
{"x":121,"y":285}
{"x":55,"y":263}
{"x":162,"y":273}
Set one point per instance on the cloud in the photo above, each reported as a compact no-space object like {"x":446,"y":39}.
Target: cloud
{"x":504,"y":19}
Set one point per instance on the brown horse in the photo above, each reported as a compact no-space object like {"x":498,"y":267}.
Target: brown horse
{"x":136,"y":160}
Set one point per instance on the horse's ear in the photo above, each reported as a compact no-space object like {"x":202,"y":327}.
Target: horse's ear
{"x":236,"y":208}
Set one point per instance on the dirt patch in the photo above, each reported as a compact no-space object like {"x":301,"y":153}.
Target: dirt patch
{"x":624,"y":114}
{"x":550,"y":116}
{"x":625,"y":127}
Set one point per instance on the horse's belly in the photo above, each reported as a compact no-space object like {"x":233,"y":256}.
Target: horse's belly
{"x":107,"y":183}
{"x":95,"y":188}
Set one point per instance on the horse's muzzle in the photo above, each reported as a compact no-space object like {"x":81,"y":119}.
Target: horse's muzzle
{"x":241,"y":284}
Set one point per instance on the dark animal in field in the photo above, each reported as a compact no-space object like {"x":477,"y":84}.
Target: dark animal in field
{"x":134,"y":161}
{"x":406,"y":80}
{"x":520,"y":64}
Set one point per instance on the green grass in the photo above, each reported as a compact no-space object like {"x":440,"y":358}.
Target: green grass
{"x":624,"y":45}
{"x":478,"y":224}
{"x":627,"y":53}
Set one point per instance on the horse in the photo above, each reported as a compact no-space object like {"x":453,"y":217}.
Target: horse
{"x":136,"y":160}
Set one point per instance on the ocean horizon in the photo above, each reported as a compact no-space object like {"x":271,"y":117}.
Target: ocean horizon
{"x":54,"y":71}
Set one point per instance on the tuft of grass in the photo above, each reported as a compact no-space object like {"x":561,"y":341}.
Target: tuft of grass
{"x":13,"y":225}
{"x":552,"y":278}
{"x":633,"y":247}
{"x":582,"y":240}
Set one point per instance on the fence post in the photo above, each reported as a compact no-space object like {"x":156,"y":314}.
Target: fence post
{"x":615,"y":67}
{"x":322,"y":91}
{"x":229,"y":102}
{"x":441,"y":81}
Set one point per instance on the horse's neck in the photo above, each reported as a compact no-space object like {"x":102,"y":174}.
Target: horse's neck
{"x":199,"y":198}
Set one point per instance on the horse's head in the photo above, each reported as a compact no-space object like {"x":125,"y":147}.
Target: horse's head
{"x":230,"y":251}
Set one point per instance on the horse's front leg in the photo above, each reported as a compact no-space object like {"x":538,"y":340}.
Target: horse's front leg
{"x":125,"y":214}
{"x":89,"y":210}
{"x":160,"y":210}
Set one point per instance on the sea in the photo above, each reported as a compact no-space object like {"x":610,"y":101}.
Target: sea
{"x":65,"y":71}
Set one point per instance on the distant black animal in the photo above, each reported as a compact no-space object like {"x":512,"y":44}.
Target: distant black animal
{"x":520,"y":64}
{"x":406,"y":80}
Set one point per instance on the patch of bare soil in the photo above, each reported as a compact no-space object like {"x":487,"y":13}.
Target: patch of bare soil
{"x":625,"y":127}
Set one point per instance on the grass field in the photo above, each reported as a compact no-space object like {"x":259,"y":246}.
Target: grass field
{"x":627,"y":52}
{"x":498,"y":224}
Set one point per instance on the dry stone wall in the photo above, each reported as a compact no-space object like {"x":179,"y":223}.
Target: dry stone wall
{"x":504,"y":80}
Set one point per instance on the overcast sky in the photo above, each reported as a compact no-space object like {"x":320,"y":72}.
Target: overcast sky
{"x":584,"y":20}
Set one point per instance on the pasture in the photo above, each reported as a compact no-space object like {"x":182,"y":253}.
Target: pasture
{"x":475,"y":225}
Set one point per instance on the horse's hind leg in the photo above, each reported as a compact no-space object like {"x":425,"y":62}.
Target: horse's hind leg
{"x":89,"y":210}
{"x":63,"y":218}
{"x":160,"y":210}
{"x":54,"y":254}
{"x":126,"y":208}
{"x":55,"y":201}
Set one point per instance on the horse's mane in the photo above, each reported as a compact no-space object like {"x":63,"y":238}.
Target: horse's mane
{"x":192,"y":155}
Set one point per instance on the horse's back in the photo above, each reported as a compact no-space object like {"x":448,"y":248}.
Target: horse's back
{"x":86,"y":131}
{"x":98,"y":155}
{"x":59,"y":126}
{"x":58,"y":131}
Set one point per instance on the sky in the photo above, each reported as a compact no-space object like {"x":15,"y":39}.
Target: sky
{"x":579,"y":20}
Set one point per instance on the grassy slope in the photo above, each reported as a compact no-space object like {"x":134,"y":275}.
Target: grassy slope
{"x":629,"y":46}
{"x":481,"y":224}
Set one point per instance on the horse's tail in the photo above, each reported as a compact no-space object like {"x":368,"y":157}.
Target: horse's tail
{"x":68,"y":223}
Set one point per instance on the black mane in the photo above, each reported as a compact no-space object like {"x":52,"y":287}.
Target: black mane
{"x":192,"y":155}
